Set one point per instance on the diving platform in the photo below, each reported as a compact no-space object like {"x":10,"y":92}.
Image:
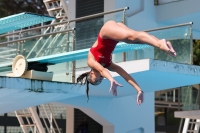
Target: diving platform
{"x":151,"y":75}
{"x":112,"y":112}
{"x":22,"y":20}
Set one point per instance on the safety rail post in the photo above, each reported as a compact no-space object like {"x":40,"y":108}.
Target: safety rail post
{"x":191,"y":45}
{"x":73,"y":62}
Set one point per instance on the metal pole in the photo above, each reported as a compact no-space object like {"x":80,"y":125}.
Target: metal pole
{"x":167,"y":27}
{"x":124,"y":16}
{"x":174,"y":95}
{"x":166,"y":97}
{"x":123,"y":21}
{"x":73,"y":62}
{"x":191,"y":45}
{"x":98,"y":14}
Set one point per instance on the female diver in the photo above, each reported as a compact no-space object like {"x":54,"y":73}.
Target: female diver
{"x":100,"y":55}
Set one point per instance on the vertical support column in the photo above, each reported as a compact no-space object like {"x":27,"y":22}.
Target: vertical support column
{"x":166,"y":98}
{"x":73,"y":62}
{"x":174,"y":95}
{"x":124,"y":21}
{"x":69,"y":120}
{"x":191,"y":45}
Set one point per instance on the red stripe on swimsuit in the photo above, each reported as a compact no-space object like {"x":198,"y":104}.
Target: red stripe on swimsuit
{"x":103,"y":51}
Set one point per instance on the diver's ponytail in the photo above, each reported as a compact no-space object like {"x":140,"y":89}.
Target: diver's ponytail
{"x":83,"y":79}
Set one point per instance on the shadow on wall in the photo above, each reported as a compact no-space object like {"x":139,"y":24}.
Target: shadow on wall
{"x":138,"y":130}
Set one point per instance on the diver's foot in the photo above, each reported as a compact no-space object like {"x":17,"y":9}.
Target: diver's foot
{"x":167,"y":47}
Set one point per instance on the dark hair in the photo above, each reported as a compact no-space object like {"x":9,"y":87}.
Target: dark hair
{"x":85,"y":76}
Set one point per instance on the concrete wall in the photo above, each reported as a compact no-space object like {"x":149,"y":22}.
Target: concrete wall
{"x":192,"y":6}
{"x":141,"y":13}
{"x":122,"y":112}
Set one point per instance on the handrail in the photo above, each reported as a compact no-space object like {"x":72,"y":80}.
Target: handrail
{"x":27,"y":38}
{"x":167,"y":27}
{"x":60,"y":23}
{"x":161,"y":28}
{"x":98,"y":14}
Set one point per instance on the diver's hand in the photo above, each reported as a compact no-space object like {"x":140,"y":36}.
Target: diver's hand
{"x":140,"y":97}
{"x":113,"y":87}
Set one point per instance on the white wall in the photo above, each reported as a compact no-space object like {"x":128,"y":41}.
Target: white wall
{"x":72,"y":11}
{"x":177,"y":9}
{"x":141,"y":13}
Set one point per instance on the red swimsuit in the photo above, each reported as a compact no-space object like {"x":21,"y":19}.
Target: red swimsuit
{"x":103,"y":51}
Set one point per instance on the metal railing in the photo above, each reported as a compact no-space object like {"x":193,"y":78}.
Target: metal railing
{"x":55,"y":24}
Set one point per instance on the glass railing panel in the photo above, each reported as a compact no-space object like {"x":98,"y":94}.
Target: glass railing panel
{"x":47,"y":45}
{"x":185,"y":98}
{"x":88,"y":30}
{"x":170,"y":95}
{"x":31,"y":32}
{"x":62,"y":72}
{"x":180,"y":39}
{"x":190,"y":98}
{"x":7,"y":53}
{"x":117,"y":57}
{"x":36,"y":47}
{"x":5,"y":70}
{"x":140,"y":54}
